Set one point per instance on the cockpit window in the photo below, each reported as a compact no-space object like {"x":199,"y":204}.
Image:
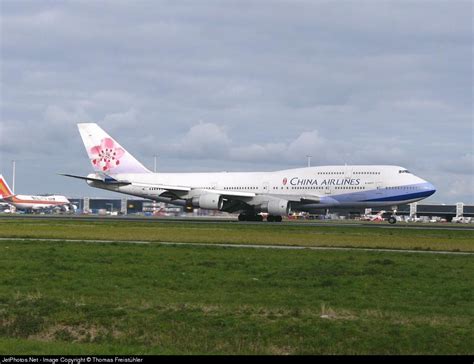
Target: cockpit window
{"x":404,"y":171}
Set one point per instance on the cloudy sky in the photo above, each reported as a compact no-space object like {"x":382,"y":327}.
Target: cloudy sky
{"x":239,"y":86}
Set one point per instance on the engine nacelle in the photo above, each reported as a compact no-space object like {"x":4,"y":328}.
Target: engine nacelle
{"x":276,"y":207}
{"x":210,"y":201}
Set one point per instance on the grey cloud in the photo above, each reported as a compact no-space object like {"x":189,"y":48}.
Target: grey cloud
{"x":208,"y":141}
{"x":460,"y":186}
{"x":202,"y":141}
{"x":460,"y":164}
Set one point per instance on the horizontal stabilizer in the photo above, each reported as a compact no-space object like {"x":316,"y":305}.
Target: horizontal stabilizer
{"x":82,"y":177}
{"x":106,"y":179}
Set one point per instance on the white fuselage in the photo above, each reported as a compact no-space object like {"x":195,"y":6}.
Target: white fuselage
{"x":305,"y":188}
{"x":29,"y":202}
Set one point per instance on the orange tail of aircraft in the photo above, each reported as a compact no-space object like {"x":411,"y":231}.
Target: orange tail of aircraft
{"x":5,"y":190}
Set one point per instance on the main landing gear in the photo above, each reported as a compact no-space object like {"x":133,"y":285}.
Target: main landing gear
{"x":259,"y":218}
{"x":393,"y":219}
{"x":272,"y":218}
{"x":250,"y":217}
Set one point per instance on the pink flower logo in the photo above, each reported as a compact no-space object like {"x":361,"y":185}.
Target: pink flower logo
{"x":106,"y":155}
{"x":285,"y":181}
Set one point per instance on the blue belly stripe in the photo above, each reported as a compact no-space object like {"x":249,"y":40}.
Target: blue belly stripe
{"x":402,"y":197}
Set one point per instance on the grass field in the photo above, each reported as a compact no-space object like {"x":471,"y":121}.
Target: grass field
{"x":274,"y":234}
{"x":119,"y":298}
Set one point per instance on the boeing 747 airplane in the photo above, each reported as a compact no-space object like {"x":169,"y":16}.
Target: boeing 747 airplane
{"x":32,"y":203}
{"x":251,"y":193}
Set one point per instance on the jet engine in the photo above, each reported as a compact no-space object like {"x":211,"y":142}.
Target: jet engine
{"x":211,"y":201}
{"x":276,"y":207}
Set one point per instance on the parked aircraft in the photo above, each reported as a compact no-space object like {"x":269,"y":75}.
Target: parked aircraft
{"x":462,"y":219}
{"x":32,"y":203}
{"x":372,"y":217}
{"x":5,"y":207}
{"x":251,"y":193}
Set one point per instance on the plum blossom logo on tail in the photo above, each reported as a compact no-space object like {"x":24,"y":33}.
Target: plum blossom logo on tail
{"x":106,"y":155}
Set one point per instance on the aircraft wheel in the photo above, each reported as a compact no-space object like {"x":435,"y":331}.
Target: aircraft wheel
{"x":246,"y":217}
{"x":392,"y":220}
{"x":278,"y":218}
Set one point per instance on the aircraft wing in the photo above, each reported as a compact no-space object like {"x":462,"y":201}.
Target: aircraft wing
{"x":164,"y":187}
{"x":299,"y":198}
{"x":231,"y":194}
{"x":228,"y":195}
{"x":174,"y":188}
{"x":240,"y":196}
{"x":309,"y":199}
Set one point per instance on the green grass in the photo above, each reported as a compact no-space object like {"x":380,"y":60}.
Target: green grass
{"x":353,"y":236}
{"x":86,"y":298}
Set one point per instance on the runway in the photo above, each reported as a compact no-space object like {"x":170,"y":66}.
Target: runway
{"x":233,"y":220}
{"x":246,"y":246}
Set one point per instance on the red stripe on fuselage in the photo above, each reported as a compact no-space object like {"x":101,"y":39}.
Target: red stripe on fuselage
{"x":35,"y":202}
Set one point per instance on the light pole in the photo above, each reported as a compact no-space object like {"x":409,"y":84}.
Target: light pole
{"x":154,"y":163}
{"x":309,"y":160}
{"x":14,"y":173}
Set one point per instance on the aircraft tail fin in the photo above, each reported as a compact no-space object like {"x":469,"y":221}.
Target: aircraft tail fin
{"x":5,"y":190}
{"x":105,"y":153}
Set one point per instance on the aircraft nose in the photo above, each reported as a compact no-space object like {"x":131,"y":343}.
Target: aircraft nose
{"x":430,"y":189}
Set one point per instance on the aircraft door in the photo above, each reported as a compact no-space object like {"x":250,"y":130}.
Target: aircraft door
{"x":265,"y":187}
{"x":379,"y":188}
